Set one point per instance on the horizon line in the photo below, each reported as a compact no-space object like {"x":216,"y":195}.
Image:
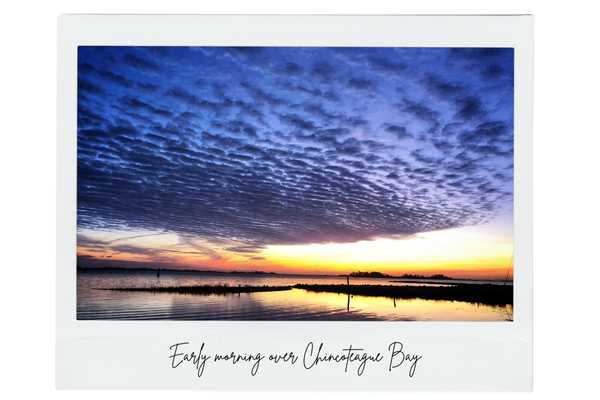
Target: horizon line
{"x":261,"y":272}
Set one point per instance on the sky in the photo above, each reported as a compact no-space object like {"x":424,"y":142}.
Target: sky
{"x":296,"y":159}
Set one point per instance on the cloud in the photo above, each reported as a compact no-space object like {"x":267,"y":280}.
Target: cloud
{"x":323,"y":71}
{"x":262,"y":95}
{"x":140,"y":63}
{"x":290,"y":68}
{"x":399,"y":132}
{"x":384,"y":65}
{"x":86,"y":87}
{"x":297,"y":121}
{"x":136,"y":104}
{"x":181,"y":94}
{"x":440,"y":87}
{"x":419,"y":110}
{"x":250,"y":147}
{"x":244,"y":249}
{"x":113,"y":77}
{"x":361,"y":84}
{"x":493,"y":71}
{"x":469,"y":107}
{"x":311,"y":91}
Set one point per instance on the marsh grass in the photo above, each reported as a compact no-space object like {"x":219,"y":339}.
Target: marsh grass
{"x":474,"y":293}
{"x":202,"y":289}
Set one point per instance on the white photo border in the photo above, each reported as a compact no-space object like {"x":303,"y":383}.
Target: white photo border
{"x":134,"y":355}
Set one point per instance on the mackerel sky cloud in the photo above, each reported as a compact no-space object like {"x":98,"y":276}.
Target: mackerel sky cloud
{"x":248,"y":147}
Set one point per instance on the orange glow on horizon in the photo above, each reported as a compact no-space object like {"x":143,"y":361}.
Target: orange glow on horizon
{"x":474,"y":252}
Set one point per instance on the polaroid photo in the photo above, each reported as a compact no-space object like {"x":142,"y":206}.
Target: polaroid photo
{"x":294,"y":202}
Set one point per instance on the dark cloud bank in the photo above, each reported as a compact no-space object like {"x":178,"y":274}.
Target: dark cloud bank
{"x":265,"y":146}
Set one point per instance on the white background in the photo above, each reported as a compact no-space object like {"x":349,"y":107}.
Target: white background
{"x":460,"y":355}
{"x":565,"y":187}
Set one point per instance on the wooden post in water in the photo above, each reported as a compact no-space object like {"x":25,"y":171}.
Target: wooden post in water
{"x":348,"y":284}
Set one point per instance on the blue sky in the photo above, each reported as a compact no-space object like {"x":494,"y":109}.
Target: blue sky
{"x":284,"y":146}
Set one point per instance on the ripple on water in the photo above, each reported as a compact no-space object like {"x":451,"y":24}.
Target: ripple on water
{"x":294,"y":304}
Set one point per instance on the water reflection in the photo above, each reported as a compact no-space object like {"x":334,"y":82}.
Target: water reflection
{"x":294,"y":304}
